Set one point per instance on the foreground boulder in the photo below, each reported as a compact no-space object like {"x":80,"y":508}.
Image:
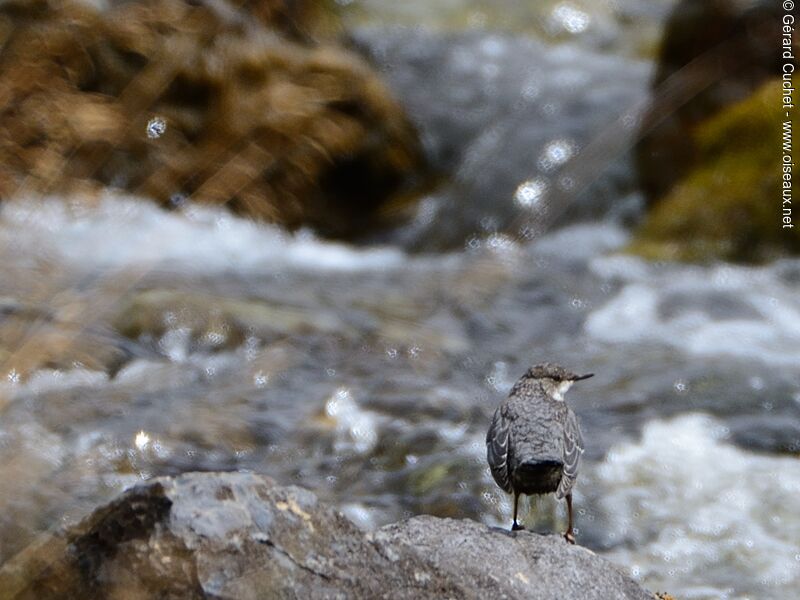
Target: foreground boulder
{"x":210,"y":102}
{"x":237,"y":535}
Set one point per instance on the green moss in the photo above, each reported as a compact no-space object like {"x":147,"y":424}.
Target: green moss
{"x":729,"y":206}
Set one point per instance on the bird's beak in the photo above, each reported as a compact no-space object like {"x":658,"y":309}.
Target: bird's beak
{"x":579,"y":378}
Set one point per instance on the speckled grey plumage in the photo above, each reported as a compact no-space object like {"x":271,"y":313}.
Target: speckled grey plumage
{"x":534,"y":442}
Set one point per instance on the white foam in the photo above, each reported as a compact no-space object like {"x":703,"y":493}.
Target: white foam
{"x":45,"y":380}
{"x":356,"y":428}
{"x":124,"y":231}
{"x":695,"y":512}
{"x":767,"y":328}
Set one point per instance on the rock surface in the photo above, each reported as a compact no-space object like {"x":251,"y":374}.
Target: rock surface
{"x":208,"y":102}
{"x":544,"y":105}
{"x":237,"y":535}
{"x":728,"y":206}
{"x":731,"y":46}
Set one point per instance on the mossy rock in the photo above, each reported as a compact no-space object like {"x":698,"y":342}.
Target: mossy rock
{"x":727,"y":46}
{"x":729,"y":206}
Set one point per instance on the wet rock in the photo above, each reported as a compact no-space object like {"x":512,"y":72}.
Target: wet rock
{"x":237,"y":535}
{"x":34,"y":338}
{"x":198,"y":101}
{"x":734,"y":42}
{"x":728,"y":204}
{"x":505,"y":117}
{"x":213,"y":322}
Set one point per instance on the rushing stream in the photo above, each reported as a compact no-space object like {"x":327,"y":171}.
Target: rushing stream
{"x":370,"y":375}
{"x":195,"y":340}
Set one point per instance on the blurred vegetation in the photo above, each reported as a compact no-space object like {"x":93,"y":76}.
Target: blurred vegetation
{"x":729,"y":204}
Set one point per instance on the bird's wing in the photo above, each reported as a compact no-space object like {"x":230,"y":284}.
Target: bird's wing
{"x":573,"y":448}
{"x":497,"y":449}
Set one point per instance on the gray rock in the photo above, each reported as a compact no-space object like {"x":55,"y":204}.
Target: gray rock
{"x":497,"y":110}
{"x":496,"y":563}
{"x":237,"y":535}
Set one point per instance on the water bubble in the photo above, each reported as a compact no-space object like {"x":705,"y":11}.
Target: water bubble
{"x":498,"y":377}
{"x":333,"y":406}
{"x":529,"y":193}
{"x":251,"y":348}
{"x":215,"y":338}
{"x":391,"y":352}
{"x":473,"y":243}
{"x":531,"y":90}
{"x":500,"y":242}
{"x":556,"y":153}
{"x":570,"y":18}
{"x":330,"y":372}
{"x":411,"y":459}
{"x":566,"y":183}
{"x":13,"y":376}
{"x":156,"y":127}
{"x":489,"y":223}
{"x":681,"y":386}
{"x":630,"y":121}
{"x":141,"y":441}
{"x":757,"y":383}
{"x":550,"y":109}
{"x":260,"y":379}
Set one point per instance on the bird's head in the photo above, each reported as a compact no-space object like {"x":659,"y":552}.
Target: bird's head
{"x":554,"y":379}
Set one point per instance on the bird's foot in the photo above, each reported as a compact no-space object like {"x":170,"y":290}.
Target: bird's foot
{"x":517,"y":527}
{"x":569,"y":537}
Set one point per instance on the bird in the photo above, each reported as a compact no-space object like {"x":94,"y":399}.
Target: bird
{"x":534,"y":443}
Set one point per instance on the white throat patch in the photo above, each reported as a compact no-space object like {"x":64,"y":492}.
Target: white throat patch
{"x":558,"y":389}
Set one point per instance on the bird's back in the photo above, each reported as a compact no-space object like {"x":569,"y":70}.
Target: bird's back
{"x":536,"y":429}
{"x":533,"y":443}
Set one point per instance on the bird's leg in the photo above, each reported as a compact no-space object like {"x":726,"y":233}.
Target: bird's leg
{"x":515,"y":526}
{"x":568,"y":533}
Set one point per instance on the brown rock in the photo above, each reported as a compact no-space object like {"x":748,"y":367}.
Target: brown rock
{"x":258,"y":116}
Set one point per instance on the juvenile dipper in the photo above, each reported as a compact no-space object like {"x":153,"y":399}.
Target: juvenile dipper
{"x":534,"y":443}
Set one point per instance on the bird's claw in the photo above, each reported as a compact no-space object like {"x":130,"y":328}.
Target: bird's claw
{"x":569,"y":537}
{"x":517,"y":527}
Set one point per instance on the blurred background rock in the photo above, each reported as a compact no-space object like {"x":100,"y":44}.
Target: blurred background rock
{"x":263,"y":111}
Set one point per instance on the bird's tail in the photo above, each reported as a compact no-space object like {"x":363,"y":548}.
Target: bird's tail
{"x":532,"y":468}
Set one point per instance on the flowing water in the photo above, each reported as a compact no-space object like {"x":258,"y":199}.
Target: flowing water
{"x":369,"y":375}
{"x":153,"y":342}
